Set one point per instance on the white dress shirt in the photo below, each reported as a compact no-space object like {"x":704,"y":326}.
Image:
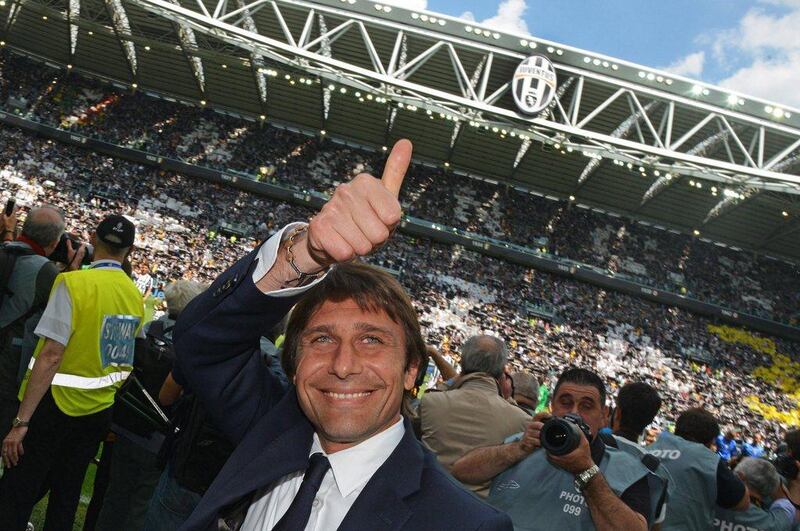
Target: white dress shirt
{"x":266,"y":259}
{"x":350,"y":471}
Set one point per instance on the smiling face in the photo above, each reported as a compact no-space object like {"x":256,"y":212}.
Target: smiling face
{"x":351,"y":373}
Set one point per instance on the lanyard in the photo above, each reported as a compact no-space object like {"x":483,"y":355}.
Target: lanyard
{"x":106,"y":264}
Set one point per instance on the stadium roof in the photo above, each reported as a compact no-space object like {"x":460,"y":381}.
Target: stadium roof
{"x":618,"y":137}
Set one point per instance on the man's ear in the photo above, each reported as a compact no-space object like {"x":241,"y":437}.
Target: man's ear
{"x":410,"y":377}
{"x":617,"y":418}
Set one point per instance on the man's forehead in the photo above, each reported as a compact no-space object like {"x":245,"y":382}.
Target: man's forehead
{"x":578,"y":391}
{"x":347,"y":313}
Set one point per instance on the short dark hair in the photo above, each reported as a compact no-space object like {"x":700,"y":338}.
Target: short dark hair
{"x":792,"y":439}
{"x":372,"y":290}
{"x":638,"y":404}
{"x":697,"y":425}
{"x":577,"y":375}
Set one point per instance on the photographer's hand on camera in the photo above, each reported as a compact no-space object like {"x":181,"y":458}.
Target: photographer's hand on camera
{"x":75,"y":256}
{"x":530,"y":438}
{"x":577,"y":461}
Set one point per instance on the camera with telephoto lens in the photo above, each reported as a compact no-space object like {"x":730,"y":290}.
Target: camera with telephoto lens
{"x":61,"y":255}
{"x":561,"y":435}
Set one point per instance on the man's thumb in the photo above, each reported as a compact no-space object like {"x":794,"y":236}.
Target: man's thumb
{"x":396,"y":166}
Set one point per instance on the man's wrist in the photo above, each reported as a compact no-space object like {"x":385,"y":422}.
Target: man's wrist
{"x":584,"y":478}
{"x":296,"y":252}
{"x":19,"y":423}
{"x":519,"y":452}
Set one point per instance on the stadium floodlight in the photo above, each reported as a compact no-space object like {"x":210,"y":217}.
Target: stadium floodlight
{"x":697,"y":90}
{"x":733,"y":99}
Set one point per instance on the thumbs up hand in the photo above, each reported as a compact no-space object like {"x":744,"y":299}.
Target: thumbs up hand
{"x":359,"y":217}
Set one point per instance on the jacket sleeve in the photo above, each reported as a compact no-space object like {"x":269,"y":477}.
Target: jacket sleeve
{"x":216,"y":342}
{"x":498,"y":522}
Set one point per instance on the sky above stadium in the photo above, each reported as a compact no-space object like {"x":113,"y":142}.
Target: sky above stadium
{"x":749,"y":46}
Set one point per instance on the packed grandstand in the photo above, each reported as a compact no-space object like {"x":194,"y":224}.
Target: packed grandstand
{"x":749,"y":381}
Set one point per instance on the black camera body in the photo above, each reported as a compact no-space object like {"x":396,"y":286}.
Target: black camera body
{"x":60,"y":254}
{"x":561,"y":435}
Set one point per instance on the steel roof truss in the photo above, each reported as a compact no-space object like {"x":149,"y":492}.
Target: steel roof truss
{"x":643,"y":116}
{"x":257,"y":65}
{"x":600,"y":108}
{"x":782,"y":155}
{"x":738,"y":142}
{"x":693,"y":131}
{"x":122,"y":29}
{"x":341,"y":71}
{"x":13,"y":11}
{"x":73,"y":14}
{"x":635,"y":122}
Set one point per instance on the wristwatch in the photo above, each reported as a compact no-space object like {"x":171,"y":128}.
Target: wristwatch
{"x":19,"y":423}
{"x":583,"y":479}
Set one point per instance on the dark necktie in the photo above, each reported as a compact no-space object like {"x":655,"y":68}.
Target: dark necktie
{"x":296,"y":517}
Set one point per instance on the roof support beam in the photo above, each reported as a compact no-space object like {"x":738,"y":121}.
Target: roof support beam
{"x":13,"y":12}
{"x":122,"y":29}
{"x":621,"y":131}
{"x":73,"y":14}
{"x":257,"y":64}
{"x":399,"y":88}
{"x":730,"y":204}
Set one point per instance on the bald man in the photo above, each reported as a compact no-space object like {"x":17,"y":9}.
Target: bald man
{"x":28,"y":289}
{"x":473,"y":412}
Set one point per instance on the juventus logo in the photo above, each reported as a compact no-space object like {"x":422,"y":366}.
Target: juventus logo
{"x":534,"y":84}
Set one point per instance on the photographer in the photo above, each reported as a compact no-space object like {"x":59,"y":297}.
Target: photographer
{"x":702,"y":480}
{"x":769,"y":510}
{"x":591,"y":486}
{"x":788,"y":465}
{"x":30,"y":279}
{"x":473,"y":412}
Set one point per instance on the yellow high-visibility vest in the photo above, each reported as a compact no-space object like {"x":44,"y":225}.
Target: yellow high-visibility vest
{"x":107,"y":313}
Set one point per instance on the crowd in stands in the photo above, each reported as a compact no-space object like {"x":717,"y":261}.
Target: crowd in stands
{"x":738,"y":280}
{"x":458,"y":293}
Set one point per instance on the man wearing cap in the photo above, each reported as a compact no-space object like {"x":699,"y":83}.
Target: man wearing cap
{"x":84,"y":354}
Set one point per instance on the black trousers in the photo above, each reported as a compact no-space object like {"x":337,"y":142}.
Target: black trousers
{"x":58,"y":449}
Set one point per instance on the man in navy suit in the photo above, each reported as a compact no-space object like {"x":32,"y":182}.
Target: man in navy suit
{"x":334,"y":452}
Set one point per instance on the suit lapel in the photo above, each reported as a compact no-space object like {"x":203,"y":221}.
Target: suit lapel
{"x":276,"y":446}
{"x":381,"y":504}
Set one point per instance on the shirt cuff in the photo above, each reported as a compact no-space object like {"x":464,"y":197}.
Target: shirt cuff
{"x":266,"y":259}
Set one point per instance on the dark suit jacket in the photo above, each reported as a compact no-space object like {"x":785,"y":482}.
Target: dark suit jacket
{"x":216,"y":342}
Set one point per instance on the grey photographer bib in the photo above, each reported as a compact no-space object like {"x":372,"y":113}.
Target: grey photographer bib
{"x":753,"y":519}
{"x":693,"y":491}
{"x":538,"y":495}
{"x":658,"y":480}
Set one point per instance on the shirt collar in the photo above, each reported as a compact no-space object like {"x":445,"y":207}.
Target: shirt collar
{"x":106,"y":263}
{"x":353,"y":467}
